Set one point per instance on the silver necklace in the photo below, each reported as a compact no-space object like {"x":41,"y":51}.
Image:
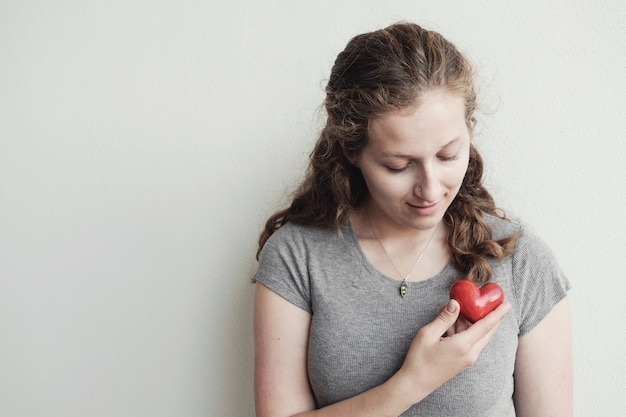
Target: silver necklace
{"x":403,"y":286}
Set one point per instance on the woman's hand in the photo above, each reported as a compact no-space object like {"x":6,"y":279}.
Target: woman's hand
{"x":281,"y":381}
{"x":433,"y":359}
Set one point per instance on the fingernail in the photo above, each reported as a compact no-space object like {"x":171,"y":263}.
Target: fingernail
{"x":451,"y":307}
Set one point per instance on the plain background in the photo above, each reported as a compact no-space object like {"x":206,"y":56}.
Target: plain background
{"x":144,"y":143}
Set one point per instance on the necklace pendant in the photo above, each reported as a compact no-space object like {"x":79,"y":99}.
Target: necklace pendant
{"x":403,"y":289}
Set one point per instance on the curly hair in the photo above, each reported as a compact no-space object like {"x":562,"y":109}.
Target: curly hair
{"x":377,"y":73}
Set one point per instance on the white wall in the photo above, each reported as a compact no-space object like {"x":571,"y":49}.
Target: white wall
{"x":143,"y":143}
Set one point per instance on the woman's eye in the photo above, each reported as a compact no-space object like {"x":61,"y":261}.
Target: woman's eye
{"x":449,"y":158}
{"x":397,"y":170}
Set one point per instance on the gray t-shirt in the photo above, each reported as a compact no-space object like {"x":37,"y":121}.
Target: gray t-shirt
{"x":361,"y":327}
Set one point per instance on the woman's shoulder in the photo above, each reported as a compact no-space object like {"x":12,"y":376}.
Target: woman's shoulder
{"x":303,"y":236}
{"x":291,"y":230}
{"x":527,"y":241}
{"x":503,"y":227}
{"x":536,"y":278}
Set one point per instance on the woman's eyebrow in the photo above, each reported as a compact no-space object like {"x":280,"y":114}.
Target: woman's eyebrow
{"x":391,"y":154}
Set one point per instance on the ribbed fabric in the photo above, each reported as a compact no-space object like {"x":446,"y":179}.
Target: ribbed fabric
{"x":361,"y":327}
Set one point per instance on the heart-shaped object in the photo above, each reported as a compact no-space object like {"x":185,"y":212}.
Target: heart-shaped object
{"x":476,"y":302}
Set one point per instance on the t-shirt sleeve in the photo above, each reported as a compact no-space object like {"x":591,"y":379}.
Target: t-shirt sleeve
{"x":538,"y":281}
{"x":283,"y":267}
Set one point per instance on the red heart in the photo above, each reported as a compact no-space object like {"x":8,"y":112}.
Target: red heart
{"x":476,"y":303}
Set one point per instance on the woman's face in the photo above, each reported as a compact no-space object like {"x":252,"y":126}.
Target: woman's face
{"x":415,"y":161}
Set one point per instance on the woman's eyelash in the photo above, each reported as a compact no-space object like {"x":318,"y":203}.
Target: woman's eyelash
{"x":449,"y":158}
{"x":404,"y":168}
{"x":396,"y":170}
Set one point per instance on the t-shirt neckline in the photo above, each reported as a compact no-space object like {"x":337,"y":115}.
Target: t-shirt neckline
{"x":447,"y":270}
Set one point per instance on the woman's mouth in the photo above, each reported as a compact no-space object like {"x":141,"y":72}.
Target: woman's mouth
{"x":424,"y":209}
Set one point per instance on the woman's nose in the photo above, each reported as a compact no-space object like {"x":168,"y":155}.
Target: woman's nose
{"x":427,"y":185}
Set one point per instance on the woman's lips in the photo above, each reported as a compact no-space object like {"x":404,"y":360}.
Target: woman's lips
{"x":424,"y":210}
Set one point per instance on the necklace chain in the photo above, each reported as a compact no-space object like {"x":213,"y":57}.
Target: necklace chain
{"x":403,"y":286}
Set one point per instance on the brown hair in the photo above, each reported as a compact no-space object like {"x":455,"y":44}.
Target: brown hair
{"x":376,"y":73}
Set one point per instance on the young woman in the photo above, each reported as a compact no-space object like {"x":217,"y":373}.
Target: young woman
{"x":352,"y":308}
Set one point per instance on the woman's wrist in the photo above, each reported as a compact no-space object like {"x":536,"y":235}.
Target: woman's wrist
{"x":406,"y":390}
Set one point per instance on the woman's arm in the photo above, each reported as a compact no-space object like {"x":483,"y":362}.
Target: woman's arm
{"x":543,"y":367}
{"x":281,"y":381}
{"x":281,"y":335}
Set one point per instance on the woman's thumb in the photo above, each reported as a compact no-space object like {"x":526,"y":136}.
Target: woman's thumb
{"x":444,"y":321}
{"x":449,"y":314}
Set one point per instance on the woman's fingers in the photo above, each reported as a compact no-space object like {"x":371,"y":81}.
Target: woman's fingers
{"x":480,"y":333}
